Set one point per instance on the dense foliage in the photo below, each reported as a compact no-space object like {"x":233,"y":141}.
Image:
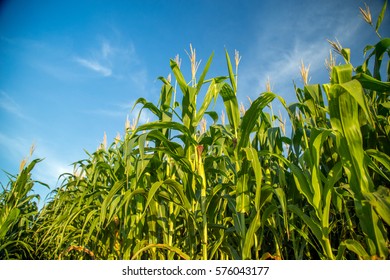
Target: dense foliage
{"x":177,"y":188}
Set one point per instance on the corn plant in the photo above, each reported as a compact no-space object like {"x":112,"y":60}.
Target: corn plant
{"x":18,"y":212}
{"x":179,"y":188}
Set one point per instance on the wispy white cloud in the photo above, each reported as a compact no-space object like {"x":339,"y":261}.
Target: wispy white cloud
{"x":114,"y":113}
{"x":95,"y":66}
{"x":114,"y":57}
{"x":50,"y":58}
{"x":125,"y":110}
{"x":286,"y":68}
{"x":282,"y":69}
{"x":48,"y":170}
{"x":280,"y":62}
{"x":9,"y":105}
{"x":106,"y":49}
{"x":14,"y":148}
{"x":99,"y":59}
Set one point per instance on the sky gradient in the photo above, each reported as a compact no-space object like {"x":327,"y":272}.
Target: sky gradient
{"x":71,"y":70}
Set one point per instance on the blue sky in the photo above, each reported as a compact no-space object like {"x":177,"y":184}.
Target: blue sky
{"x":72,"y":70}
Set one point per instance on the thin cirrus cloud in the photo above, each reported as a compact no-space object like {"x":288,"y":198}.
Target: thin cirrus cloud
{"x":94,"y":66}
{"x":283,"y":62}
{"x":47,"y":171}
{"x":111,"y":59}
{"x":10,"y":106}
{"x":101,"y":61}
{"x":106,"y":49}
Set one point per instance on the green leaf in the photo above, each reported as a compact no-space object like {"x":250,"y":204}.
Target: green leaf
{"x":281,"y":195}
{"x":250,"y":236}
{"x":380,"y":49}
{"x":212,"y":93}
{"x":355,"y":89}
{"x":147,"y":105}
{"x":343,"y":107}
{"x":160,"y":125}
{"x":108,"y":200}
{"x":356,"y":247}
{"x":371,"y":83}
{"x":251,"y":117}
{"x":334,"y":176}
{"x":341,"y":74}
{"x":242,"y":191}
{"x":317,"y":139}
{"x":10,"y":220}
{"x":253,"y":157}
{"x":175,"y":186}
{"x":381,"y":16}
{"x":179,"y":76}
{"x":213,"y":115}
{"x":162,"y":246}
{"x":231,"y":106}
{"x":346,"y":53}
{"x":203,"y":75}
{"x":311,"y":223}
{"x":301,"y":182}
{"x":380,"y":200}
{"x":231,"y":74}
{"x":386,"y":104}
{"x":381,"y":158}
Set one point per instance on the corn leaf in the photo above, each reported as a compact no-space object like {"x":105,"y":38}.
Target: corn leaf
{"x":251,"y":117}
{"x":381,"y":16}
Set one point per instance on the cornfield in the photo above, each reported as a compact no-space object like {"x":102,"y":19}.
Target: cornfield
{"x":238,"y":188}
